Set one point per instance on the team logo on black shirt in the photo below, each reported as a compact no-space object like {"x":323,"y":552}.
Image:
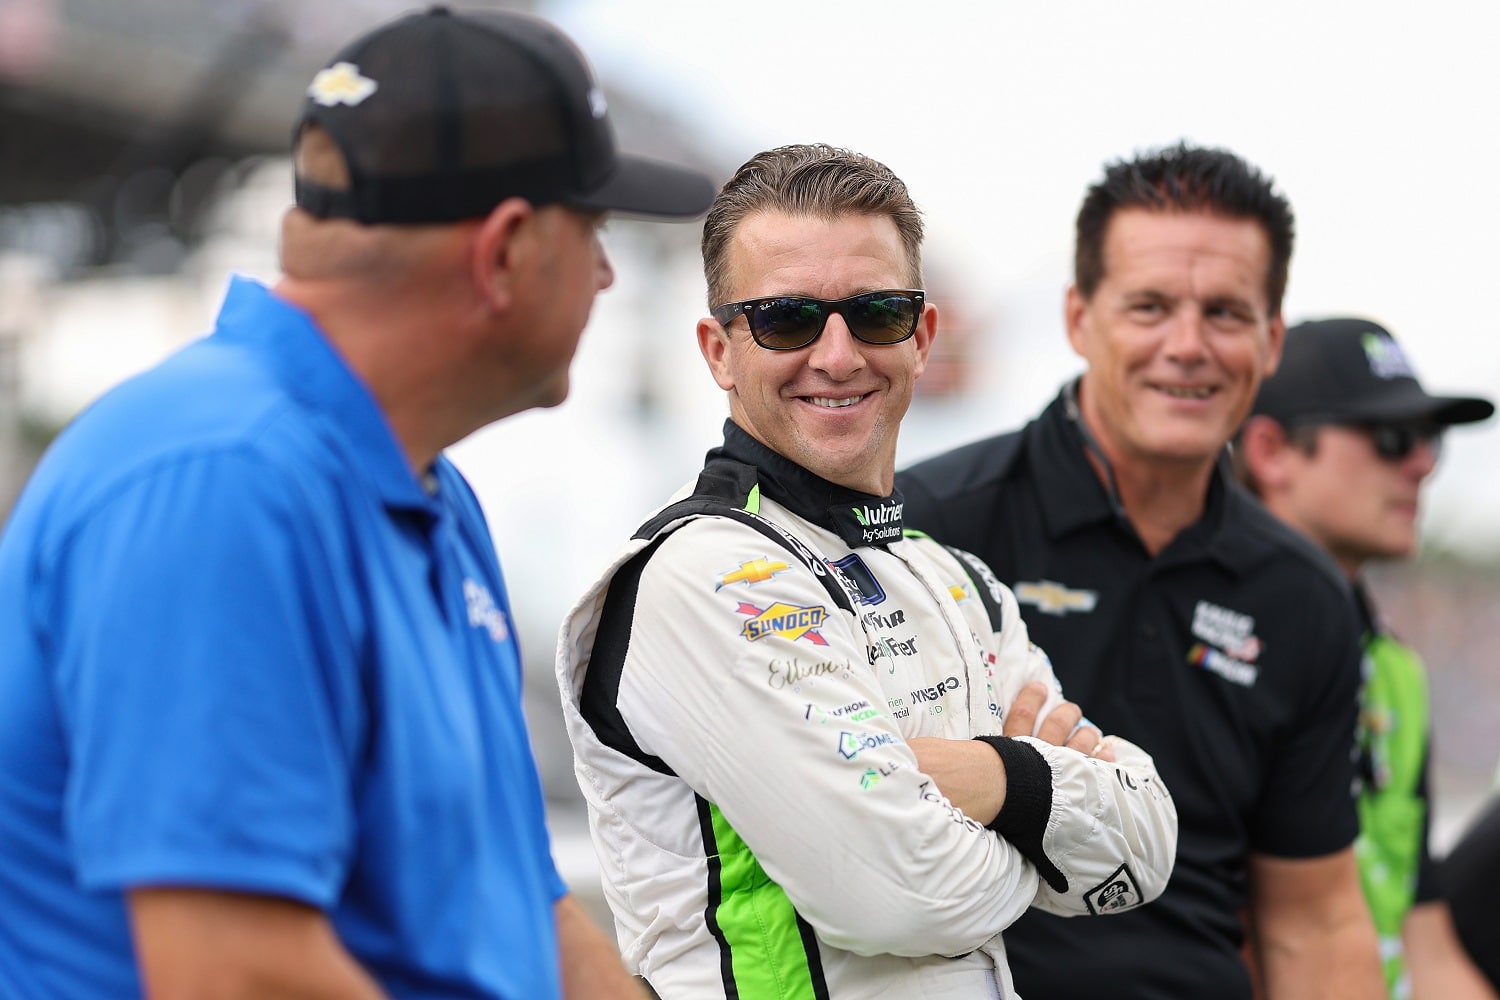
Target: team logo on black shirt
{"x":1051,"y":598}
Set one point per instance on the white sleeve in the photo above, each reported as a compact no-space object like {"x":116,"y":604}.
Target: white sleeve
{"x":761,"y":698}
{"x":1102,"y":834}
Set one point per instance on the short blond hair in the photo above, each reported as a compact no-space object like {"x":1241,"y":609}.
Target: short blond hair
{"x":813,"y":180}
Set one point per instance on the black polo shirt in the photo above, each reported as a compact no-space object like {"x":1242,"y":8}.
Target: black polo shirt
{"x":1232,"y":656}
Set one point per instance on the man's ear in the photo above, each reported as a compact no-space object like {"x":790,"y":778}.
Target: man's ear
{"x":1266,"y":450}
{"x":1275,"y":340}
{"x":501,"y":249}
{"x":713,"y":341}
{"x":927,"y":329}
{"x":1074,"y":307}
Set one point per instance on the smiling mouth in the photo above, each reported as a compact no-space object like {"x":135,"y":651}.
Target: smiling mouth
{"x":829,"y":402}
{"x":1187,"y":392}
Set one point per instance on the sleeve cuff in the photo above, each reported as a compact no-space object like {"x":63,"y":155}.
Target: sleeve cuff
{"x":1028,"y":804}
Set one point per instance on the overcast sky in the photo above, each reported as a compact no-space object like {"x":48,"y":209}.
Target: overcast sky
{"x":1380,"y":122}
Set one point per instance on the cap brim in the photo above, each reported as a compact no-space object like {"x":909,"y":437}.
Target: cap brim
{"x":1415,"y":404}
{"x":651,"y":188}
{"x":1463,"y":409}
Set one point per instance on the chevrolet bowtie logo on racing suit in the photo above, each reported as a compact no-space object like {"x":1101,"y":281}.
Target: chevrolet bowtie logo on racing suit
{"x":752,"y":572}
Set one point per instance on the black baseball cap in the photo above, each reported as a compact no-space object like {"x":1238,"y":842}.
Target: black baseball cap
{"x":1353,"y":371}
{"x":442,"y":115}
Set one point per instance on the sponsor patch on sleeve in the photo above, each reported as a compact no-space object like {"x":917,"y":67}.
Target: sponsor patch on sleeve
{"x":1118,"y":892}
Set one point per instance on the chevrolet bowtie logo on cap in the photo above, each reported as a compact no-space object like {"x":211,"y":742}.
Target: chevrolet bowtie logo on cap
{"x":341,"y":83}
{"x":476,"y":107}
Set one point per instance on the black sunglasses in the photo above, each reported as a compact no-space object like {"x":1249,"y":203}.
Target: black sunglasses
{"x":791,"y":322}
{"x":1393,"y":442}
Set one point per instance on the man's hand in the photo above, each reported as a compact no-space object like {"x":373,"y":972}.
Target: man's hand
{"x":970,"y":774}
{"x":1064,"y":726}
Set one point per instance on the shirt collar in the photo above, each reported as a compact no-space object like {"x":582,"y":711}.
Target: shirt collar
{"x":1071,"y":494}
{"x":1370,"y":620}
{"x":856,"y":517}
{"x":1074,"y":497}
{"x":312,"y":372}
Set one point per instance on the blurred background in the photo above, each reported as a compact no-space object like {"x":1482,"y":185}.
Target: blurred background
{"x":142,"y":161}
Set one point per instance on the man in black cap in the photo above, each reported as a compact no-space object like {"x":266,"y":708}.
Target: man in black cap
{"x":260,"y":726}
{"x":1338,"y":446}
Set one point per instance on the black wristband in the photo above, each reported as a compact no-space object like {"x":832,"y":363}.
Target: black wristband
{"x":1028,"y":804}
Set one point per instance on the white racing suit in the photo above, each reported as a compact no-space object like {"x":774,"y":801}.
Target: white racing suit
{"x":739,"y":688}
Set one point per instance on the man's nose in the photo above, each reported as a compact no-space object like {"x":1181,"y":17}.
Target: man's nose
{"x":836,"y":351}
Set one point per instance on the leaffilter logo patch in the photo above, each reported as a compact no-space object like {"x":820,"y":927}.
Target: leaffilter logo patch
{"x":790,"y":621}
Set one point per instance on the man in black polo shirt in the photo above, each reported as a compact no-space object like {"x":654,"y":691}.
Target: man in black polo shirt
{"x":1180,"y":612}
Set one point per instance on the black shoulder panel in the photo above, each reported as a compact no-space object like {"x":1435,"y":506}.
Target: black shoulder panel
{"x":987,"y":584}
{"x":722,"y":491}
{"x":598,"y":702}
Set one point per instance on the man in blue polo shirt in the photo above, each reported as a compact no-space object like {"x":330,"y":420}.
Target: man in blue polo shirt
{"x":260,"y":728}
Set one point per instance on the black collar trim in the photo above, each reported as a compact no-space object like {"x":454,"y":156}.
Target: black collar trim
{"x":856,"y":517}
{"x":1077,"y":498}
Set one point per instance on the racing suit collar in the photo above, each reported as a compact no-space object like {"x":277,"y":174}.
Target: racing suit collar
{"x":856,"y":517}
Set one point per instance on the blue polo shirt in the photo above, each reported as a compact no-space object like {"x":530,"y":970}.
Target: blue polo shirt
{"x":244,"y":647}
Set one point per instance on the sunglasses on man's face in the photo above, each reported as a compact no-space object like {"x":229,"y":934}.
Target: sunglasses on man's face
{"x":791,"y":322}
{"x":1394,"y":442}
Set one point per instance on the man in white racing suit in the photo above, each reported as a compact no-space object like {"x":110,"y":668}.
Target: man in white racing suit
{"x":821,"y":757}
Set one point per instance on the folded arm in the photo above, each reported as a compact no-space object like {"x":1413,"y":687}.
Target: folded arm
{"x":1111,"y":829}
{"x":763,"y":701}
{"x":1102,"y":831}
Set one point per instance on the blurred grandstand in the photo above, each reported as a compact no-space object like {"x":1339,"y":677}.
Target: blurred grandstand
{"x":131,"y":129}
